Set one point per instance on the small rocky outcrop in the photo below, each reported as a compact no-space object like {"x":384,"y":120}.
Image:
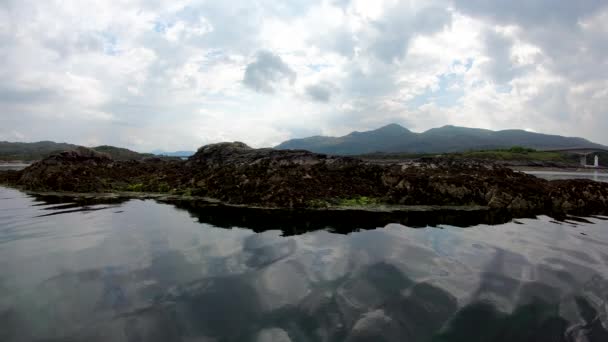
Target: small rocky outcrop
{"x":238,"y":174}
{"x":69,"y":171}
{"x":9,"y":176}
{"x":86,"y":170}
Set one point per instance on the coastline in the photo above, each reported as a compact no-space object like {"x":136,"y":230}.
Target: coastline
{"x":567,"y":169}
{"x":13,"y":165}
{"x":233,"y":174}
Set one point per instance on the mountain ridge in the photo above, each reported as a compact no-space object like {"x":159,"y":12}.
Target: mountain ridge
{"x":394,"y":138}
{"x":30,"y":151}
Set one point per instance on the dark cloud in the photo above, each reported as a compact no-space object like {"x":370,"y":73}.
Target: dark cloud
{"x":553,"y":26}
{"x":400,"y":24}
{"x":531,"y":12}
{"x":386,"y":38}
{"x":234,"y":26}
{"x":320,"y":92}
{"x":432,"y":19}
{"x":498,"y":48}
{"x":267,"y":70}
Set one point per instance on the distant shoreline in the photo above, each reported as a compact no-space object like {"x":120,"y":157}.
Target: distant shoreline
{"x":581,"y":170}
{"x":16,"y":162}
{"x":236,"y":174}
{"x":15,"y":166}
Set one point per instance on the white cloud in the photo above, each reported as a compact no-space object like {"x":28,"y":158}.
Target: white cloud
{"x":177,"y":74}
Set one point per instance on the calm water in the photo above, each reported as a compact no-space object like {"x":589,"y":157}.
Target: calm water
{"x":598,"y":176}
{"x":147,"y":271}
{"x":13,"y":166}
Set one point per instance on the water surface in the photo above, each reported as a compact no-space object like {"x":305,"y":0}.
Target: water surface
{"x":598,"y":176}
{"x":13,"y":166}
{"x":139,"y":270}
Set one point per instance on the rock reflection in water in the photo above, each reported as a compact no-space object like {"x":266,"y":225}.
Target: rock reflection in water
{"x":293,"y":222}
{"x":143,"y":271}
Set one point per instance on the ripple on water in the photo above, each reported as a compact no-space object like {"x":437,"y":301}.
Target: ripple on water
{"x":142,"y":270}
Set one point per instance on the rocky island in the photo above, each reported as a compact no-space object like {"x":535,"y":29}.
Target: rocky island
{"x":236,"y":174}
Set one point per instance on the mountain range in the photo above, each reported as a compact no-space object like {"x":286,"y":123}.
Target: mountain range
{"x":391,"y":138}
{"x":394,"y":138}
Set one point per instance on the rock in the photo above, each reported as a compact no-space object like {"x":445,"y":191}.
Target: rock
{"x":238,"y":174}
{"x":68,"y":171}
{"x":9,"y":176}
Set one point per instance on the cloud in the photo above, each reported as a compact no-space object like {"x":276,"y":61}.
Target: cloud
{"x":140,"y":73}
{"x":266,"y":72}
{"x":9,"y":95}
{"x":340,"y":40}
{"x":320,"y":92}
{"x":570,"y":48}
{"x":529,"y":13}
{"x":499,"y":67}
{"x":393,"y":32}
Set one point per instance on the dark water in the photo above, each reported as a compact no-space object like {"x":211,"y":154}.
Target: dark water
{"x":147,"y":271}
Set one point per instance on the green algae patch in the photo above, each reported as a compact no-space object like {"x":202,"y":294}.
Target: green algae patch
{"x":139,"y":187}
{"x":361,"y":201}
{"x":319,"y":203}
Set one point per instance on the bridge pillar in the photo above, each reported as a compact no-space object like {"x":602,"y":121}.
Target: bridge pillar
{"x":596,"y":162}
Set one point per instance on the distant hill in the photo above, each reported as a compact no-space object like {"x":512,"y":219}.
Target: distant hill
{"x":31,"y":151}
{"x":394,"y":138}
{"x":174,"y":154}
{"x":38,"y":150}
{"x":119,"y":153}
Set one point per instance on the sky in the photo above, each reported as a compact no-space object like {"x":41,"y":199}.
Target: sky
{"x":175,"y":75}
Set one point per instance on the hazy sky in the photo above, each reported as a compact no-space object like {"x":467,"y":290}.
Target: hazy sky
{"x":178,"y":74}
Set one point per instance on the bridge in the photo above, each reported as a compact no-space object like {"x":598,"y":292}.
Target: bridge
{"x":583,"y":152}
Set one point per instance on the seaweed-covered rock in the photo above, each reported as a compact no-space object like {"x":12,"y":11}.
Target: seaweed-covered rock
{"x":9,"y":176}
{"x":578,"y":196}
{"x":86,"y":170}
{"x":238,"y":174}
{"x":68,"y":171}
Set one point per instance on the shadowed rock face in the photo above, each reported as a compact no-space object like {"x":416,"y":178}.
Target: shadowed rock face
{"x":238,"y":174}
